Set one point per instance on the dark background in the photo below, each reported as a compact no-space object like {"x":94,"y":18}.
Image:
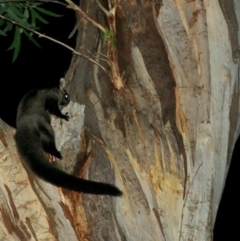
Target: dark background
{"x":37,"y":68}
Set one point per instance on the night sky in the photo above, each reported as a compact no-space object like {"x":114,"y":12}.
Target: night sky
{"x":37,"y":68}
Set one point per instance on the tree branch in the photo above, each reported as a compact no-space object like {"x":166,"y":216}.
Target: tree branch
{"x":77,"y":9}
{"x":44,"y":1}
{"x":40,"y":35}
{"x":102,"y":8}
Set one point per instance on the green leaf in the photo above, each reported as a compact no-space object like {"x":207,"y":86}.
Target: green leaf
{"x":2,"y":10}
{"x":33,"y":19}
{"x":16,"y":44}
{"x":2,"y":22}
{"x":16,"y":37}
{"x":33,"y":22}
{"x":108,"y":36}
{"x":37,"y":16}
{"x":29,"y":35}
{"x":42,"y":10}
{"x":17,"y":12}
{"x":36,"y":4}
{"x":13,"y":16}
{"x":26,"y":13}
{"x":16,"y":50}
{"x":8,"y":27}
{"x":105,"y":37}
{"x":2,"y":33}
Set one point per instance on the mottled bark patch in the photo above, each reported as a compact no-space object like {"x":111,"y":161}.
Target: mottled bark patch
{"x":229,"y":13}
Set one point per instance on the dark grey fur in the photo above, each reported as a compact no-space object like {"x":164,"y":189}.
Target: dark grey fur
{"x":35,"y":136}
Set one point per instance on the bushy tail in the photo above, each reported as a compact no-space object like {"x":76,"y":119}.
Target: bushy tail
{"x":51,"y":174}
{"x":36,"y":161}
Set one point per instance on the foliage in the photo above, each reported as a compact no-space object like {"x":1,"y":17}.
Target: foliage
{"x":109,"y":36}
{"x":20,"y":17}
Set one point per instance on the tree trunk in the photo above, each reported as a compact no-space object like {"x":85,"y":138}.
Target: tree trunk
{"x":162,"y":128}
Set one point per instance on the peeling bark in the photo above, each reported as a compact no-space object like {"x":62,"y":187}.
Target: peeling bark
{"x":229,"y":13}
{"x":165,"y":138}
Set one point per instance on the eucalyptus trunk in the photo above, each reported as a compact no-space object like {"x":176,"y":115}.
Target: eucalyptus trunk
{"x":157,"y":116}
